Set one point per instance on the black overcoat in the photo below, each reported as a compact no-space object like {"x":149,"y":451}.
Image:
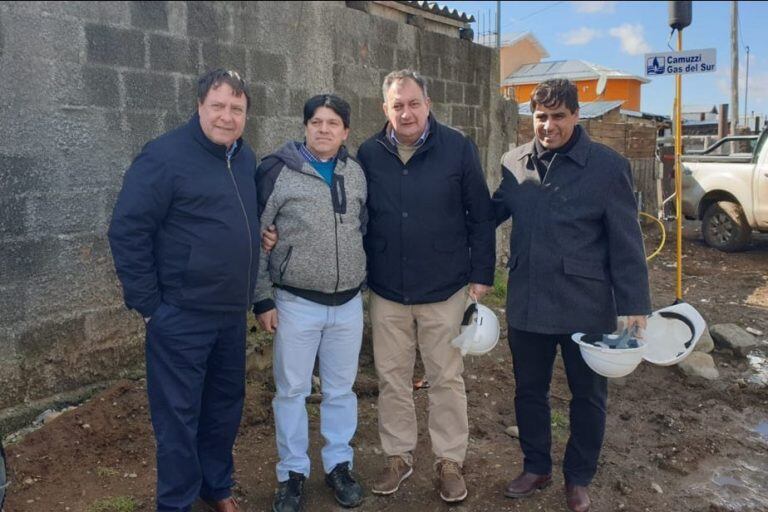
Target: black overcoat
{"x":576,"y":251}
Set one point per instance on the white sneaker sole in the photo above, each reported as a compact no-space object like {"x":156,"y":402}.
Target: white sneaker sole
{"x":455,"y":500}
{"x":388,"y":492}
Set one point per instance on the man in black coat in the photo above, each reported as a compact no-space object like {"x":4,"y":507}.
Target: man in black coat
{"x":430,"y":244}
{"x":576,"y":262}
{"x":183,"y":237}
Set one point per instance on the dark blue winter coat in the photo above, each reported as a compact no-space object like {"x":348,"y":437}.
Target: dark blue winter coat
{"x":431,"y":226}
{"x":185,"y":227}
{"x":576,"y":256}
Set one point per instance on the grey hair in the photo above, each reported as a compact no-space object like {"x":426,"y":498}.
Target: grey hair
{"x":400,"y":75}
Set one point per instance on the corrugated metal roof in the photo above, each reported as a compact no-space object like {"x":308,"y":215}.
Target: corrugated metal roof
{"x":706,"y":122}
{"x":570,"y":69}
{"x":435,"y":8}
{"x":587,"y":109}
{"x":699,"y":109}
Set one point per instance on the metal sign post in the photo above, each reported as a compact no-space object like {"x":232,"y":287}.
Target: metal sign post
{"x":679,"y":63}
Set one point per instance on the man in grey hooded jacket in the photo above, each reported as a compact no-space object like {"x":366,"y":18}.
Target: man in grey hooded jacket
{"x":314,"y":194}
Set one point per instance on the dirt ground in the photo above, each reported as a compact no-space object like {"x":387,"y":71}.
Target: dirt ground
{"x":672,"y":444}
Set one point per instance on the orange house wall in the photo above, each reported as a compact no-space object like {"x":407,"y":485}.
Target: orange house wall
{"x":624,"y":89}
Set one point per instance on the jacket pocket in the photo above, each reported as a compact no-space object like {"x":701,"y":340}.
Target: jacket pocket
{"x":587,"y":269}
{"x":204,"y":268}
{"x":512,"y":263}
{"x":285,"y":262}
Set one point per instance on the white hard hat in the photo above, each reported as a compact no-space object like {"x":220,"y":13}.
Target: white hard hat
{"x":606,"y":360}
{"x":479,"y":331}
{"x":672,"y":333}
{"x":670,"y":336}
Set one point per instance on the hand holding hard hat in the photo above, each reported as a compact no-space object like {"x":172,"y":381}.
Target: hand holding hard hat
{"x":479,"y":330}
{"x":670,"y":335}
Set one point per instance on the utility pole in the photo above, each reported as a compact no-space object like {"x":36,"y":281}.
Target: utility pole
{"x":498,"y":27}
{"x":680,"y":16}
{"x":746,"y":89}
{"x":734,"y":66}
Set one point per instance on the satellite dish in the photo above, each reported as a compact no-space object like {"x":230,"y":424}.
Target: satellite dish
{"x":601,"y":83}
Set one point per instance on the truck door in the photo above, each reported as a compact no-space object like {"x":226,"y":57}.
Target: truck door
{"x":761,"y":188}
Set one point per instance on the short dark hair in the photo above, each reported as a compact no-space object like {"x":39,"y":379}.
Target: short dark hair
{"x":402,"y":74}
{"x":331,"y":101}
{"x":214,"y":78}
{"x":555,"y":92}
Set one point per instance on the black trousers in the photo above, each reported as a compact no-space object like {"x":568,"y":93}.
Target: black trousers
{"x":196,"y":388}
{"x":533,"y":357}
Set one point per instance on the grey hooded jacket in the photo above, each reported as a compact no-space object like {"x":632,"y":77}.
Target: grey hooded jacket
{"x":319,"y":254}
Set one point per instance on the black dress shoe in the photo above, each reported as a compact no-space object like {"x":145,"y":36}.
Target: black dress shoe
{"x":577,"y":498}
{"x":526,"y":484}
{"x":346,"y":490}
{"x":290,"y":494}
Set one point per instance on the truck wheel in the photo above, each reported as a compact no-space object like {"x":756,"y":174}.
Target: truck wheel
{"x":725,"y":227}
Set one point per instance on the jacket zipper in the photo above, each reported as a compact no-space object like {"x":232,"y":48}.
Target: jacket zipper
{"x":335,"y":230}
{"x":336,"y":239}
{"x":248,"y":228}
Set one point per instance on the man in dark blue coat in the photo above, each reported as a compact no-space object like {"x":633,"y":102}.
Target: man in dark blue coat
{"x":183,"y":237}
{"x":430,"y":244}
{"x":576,"y":262}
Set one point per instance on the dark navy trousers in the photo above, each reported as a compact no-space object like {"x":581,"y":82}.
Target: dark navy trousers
{"x":196,"y":387}
{"x":533,"y":357}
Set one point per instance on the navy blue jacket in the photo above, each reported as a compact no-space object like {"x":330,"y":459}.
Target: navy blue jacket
{"x":185,"y":227}
{"x":576,"y":250}
{"x":431,"y":225}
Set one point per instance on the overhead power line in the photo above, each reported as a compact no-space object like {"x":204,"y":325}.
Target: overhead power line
{"x":534,"y":13}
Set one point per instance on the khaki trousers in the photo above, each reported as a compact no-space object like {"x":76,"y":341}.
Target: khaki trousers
{"x":397,"y":329}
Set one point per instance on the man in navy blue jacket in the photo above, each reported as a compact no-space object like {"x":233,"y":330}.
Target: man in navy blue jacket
{"x":576,"y":261}
{"x":430,"y":244}
{"x":183,"y":237}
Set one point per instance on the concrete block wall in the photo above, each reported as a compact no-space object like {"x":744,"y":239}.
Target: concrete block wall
{"x":85,"y":84}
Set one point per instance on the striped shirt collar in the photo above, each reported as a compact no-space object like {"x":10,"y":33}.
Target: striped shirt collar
{"x":418,"y":143}
{"x":231,"y":151}
{"x":310,"y":157}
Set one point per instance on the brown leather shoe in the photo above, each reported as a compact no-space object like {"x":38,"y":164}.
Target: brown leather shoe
{"x":225,"y":505}
{"x":395,"y":471}
{"x":452,"y":486}
{"x":526,"y":484}
{"x":577,"y":498}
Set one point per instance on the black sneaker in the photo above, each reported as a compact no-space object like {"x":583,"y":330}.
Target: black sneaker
{"x":346,"y":490}
{"x":289,"y":496}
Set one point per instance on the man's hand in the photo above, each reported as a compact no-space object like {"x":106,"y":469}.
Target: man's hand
{"x":268,"y":320}
{"x":269,"y":238}
{"x":637,"y":323}
{"x":477,"y":291}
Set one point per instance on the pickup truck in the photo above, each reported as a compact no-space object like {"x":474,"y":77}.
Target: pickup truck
{"x":728,"y":193}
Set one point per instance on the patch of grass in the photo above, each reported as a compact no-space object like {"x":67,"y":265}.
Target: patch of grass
{"x":116,"y":504}
{"x":106,"y":472}
{"x":498,"y":295}
{"x":560,"y":424}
